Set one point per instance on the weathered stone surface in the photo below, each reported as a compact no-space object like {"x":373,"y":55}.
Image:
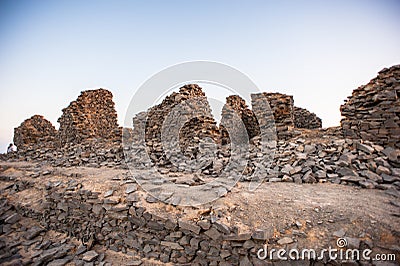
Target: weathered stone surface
{"x":33,"y":232}
{"x":371,"y":112}
{"x":239,"y":106}
{"x":131,"y":188}
{"x":189,"y":226}
{"x":33,"y":131}
{"x":305,"y":119}
{"x":263,"y":234}
{"x":90,"y":256}
{"x":92,"y":115}
{"x":282,"y":108}
{"x":172,"y":245}
{"x":285,"y":240}
{"x":13,"y":218}
{"x":213,"y":233}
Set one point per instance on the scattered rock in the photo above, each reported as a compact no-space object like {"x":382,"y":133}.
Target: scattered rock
{"x":90,"y":256}
{"x":284,"y":241}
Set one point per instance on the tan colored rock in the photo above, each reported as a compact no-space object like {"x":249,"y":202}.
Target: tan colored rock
{"x":34,"y":130}
{"x":92,"y":115}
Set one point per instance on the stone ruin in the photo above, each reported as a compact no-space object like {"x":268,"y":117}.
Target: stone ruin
{"x":92,"y":115}
{"x":33,"y":131}
{"x":305,"y":119}
{"x":186,"y":114}
{"x":122,"y":223}
{"x":88,"y":129}
{"x":372,"y":112}
{"x":282,"y":108}
{"x":237,"y":104}
{"x":88,"y":134}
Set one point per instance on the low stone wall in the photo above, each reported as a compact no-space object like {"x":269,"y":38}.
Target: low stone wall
{"x":123,"y":225}
{"x":91,"y":152}
{"x":372,"y":112}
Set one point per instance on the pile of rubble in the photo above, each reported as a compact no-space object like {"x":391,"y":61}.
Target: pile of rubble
{"x":25,"y":242}
{"x":91,"y":217}
{"x":336,"y":160}
{"x":92,"y":153}
{"x":372,"y":112}
{"x":305,"y":119}
{"x":92,"y":115}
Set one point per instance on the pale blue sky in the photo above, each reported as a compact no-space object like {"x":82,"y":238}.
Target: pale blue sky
{"x":317,"y":51}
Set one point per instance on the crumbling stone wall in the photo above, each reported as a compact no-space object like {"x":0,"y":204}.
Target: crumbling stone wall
{"x":239,"y":106}
{"x":34,"y":130}
{"x":372,"y":112}
{"x":282,"y":107}
{"x":305,"y":119}
{"x":177,"y":107}
{"x":124,"y":225}
{"x":91,"y":115}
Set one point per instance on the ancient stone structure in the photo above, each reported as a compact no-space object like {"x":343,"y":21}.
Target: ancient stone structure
{"x":372,"y":112}
{"x":305,"y":119}
{"x":34,"y":130}
{"x":282,"y":108}
{"x":92,"y":115}
{"x":183,"y":119}
{"x":239,"y":106}
{"x":126,"y":220}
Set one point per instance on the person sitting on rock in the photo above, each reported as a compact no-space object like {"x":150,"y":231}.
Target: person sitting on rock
{"x":11,"y":148}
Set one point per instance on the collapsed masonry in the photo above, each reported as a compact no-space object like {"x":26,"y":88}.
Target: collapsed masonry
{"x":33,"y":131}
{"x":372,"y":112}
{"x":92,"y":115}
{"x":181,"y":121}
{"x":305,"y":119}
{"x":290,"y":163}
{"x":282,"y":109}
{"x":238,"y":105}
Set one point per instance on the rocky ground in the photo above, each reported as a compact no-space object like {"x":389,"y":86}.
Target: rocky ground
{"x":295,"y":215}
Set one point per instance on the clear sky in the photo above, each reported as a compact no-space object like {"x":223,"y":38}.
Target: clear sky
{"x":317,"y":51}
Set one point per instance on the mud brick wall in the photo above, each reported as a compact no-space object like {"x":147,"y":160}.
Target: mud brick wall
{"x":372,"y":112}
{"x":305,"y":119}
{"x":177,"y":107}
{"x":34,"y":130}
{"x":122,"y":225}
{"x":239,"y":106}
{"x":92,"y":115}
{"x":282,"y":107}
